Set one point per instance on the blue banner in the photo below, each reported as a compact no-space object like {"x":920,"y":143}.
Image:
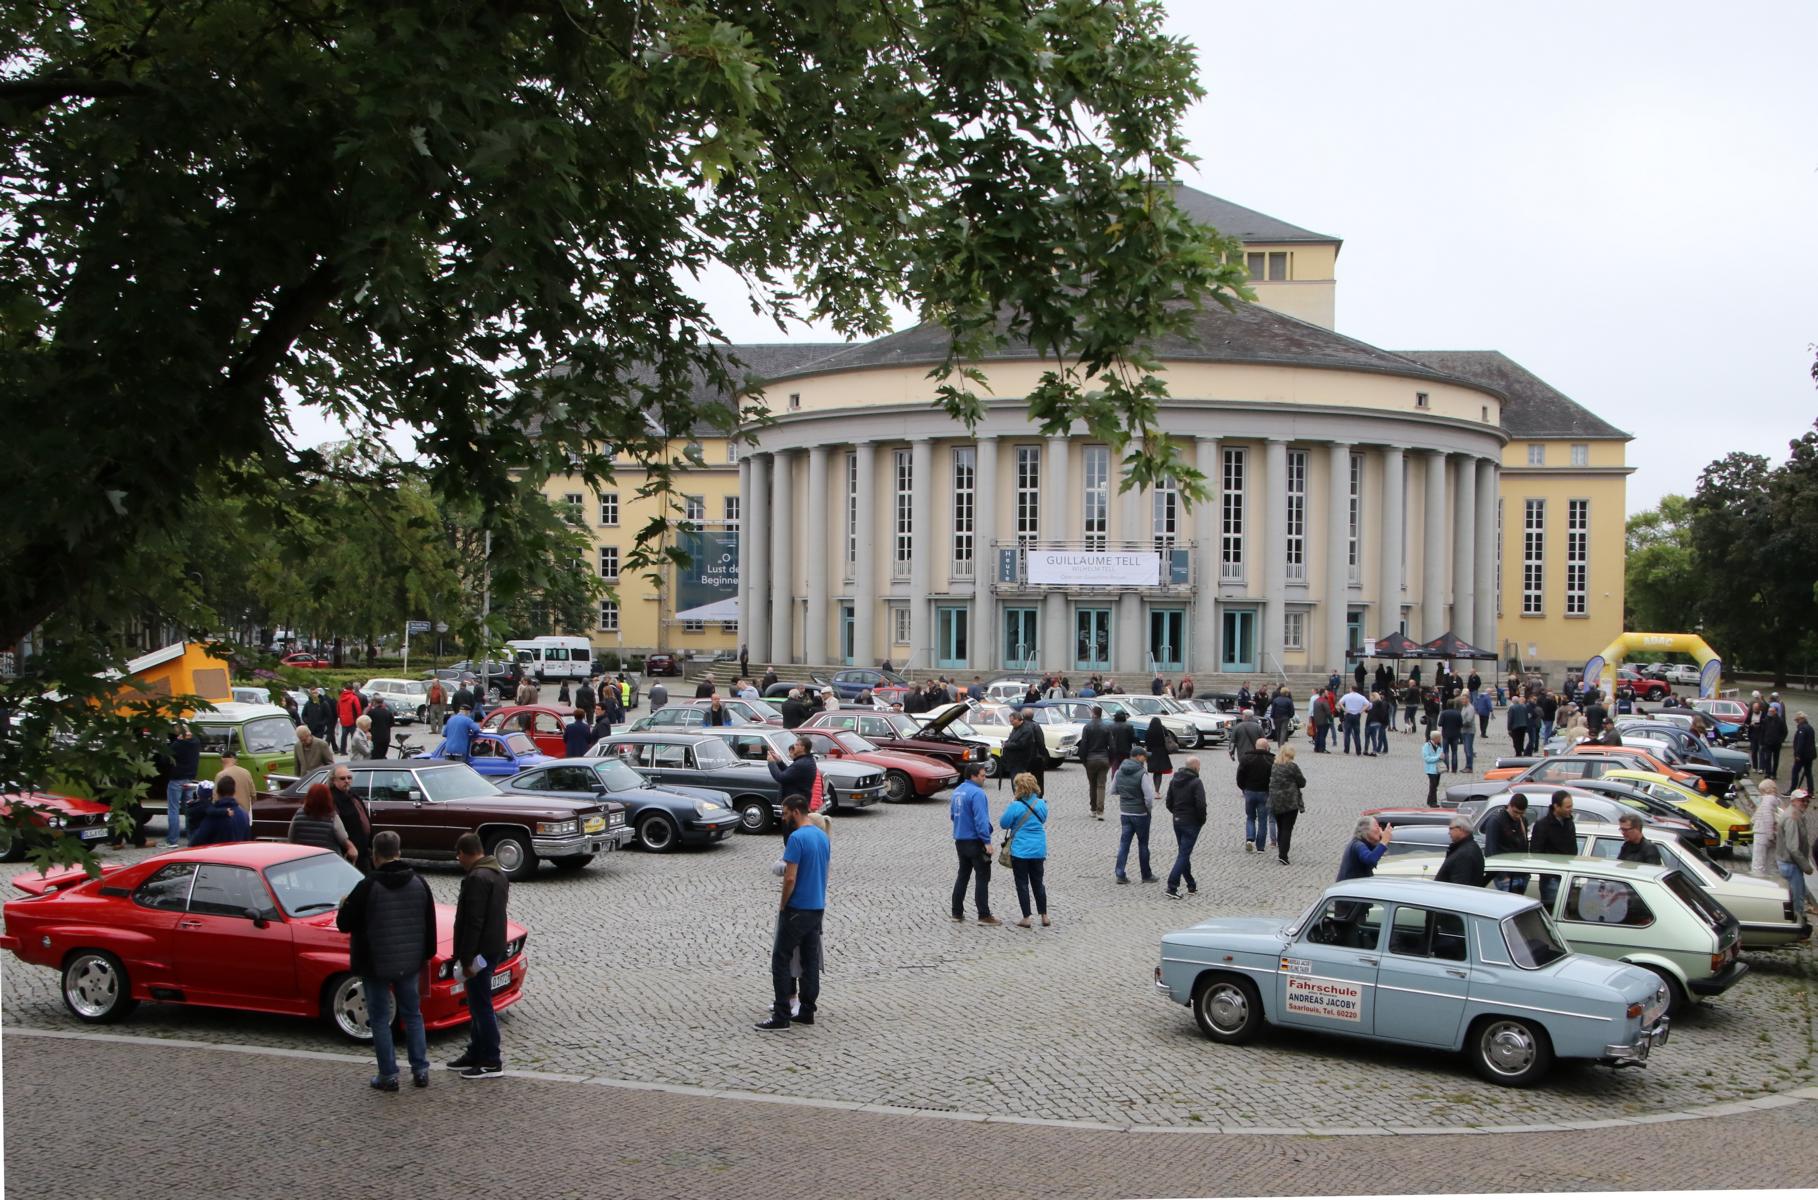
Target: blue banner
{"x":712,"y":572}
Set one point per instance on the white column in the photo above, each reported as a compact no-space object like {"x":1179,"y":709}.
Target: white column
{"x":1205,"y":583}
{"x":782,"y":557}
{"x":816,"y":554}
{"x":1137,"y":523}
{"x":1433,"y":553}
{"x":1058,"y":502}
{"x":1388,"y":612}
{"x":754,"y":524}
{"x":745,"y":553}
{"x":984,"y":559}
{"x":1464,"y":553}
{"x":1488,"y":489}
{"x":1274,"y":549}
{"x":1129,"y":649}
{"x":864,"y":560}
{"x":921,"y":551}
{"x":1338,"y":552}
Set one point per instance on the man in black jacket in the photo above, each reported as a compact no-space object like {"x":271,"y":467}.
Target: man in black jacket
{"x":382,"y":719}
{"x":1805,"y":749}
{"x":318,"y":714}
{"x":1451,"y":728}
{"x":796,"y":777}
{"x":1554,"y":833}
{"x":1507,"y":833}
{"x":1095,"y":752}
{"x":390,"y":918}
{"x":1635,"y":845}
{"x":794,"y":709}
{"x":1123,"y":737}
{"x":479,"y":948}
{"x":1187,"y":804}
{"x":1773,"y":737}
{"x":1024,"y":750}
{"x":353,"y":813}
{"x":1464,"y":858}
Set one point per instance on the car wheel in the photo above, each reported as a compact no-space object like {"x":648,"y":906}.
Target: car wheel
{"x":1675,"y":990}
{"x":991,"y":766}
{"x":830,"y":799}
{"x":512,"y":849}
{"x":423,"y":714}
{"x":12,"y":846}
{"x":1227,"y":1008}
{"x":754,"y":816}
{"x":1199,"y":739}
{"x":1510,"y":1051}
{"x":344,"y":1007}
{"x":571,"y":862}
{"x":657,"y":834}
{"x":898,"y":787}
{"x":95,"y":988}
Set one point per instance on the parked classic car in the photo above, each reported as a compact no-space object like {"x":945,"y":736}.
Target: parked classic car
{"x":1427,"y":964}
{"x":1729,"y":716}
{"x":1652,"y":917}
{"x":1581,"y":762}
{"x":263,"y":735}
{"x":948,"y":721}
{"x":849,"y":782}
{"x":541,"y":723}
{"x":247,"y":926}
{"x":408,"y":699}
{"x":883,"y":685}
{"x":690,"y":758}
{"x":303,"y":661}
{"x":1732,"y":828}
{"x":494,"y":755}
{"x":685,"y":716}
{"x":1060,"y":737}
{"x":431,"y":803}
{"x":756,"y":712}
{"x":662,"y":818}
{"x":1587,"y":804}
{"x":900,"y":732}
{"x":906,"y":776}
{"x":1690,"y":745}
{"x":71,"y":816}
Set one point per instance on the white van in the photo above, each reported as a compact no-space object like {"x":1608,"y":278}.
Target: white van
{"x":555,"y":657}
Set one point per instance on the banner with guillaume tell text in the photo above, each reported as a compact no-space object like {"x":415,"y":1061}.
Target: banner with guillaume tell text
{"x":1094,"y":568}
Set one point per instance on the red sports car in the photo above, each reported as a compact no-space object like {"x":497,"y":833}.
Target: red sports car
{"x":308,"y":662}
{"x":248,"y":925}
{"x":540,"y":722}
{"x":906,"y":776}
{"x":82,"y":819}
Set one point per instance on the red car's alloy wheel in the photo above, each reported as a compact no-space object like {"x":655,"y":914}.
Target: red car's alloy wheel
{"x":345,"y":1008}
{"x":95,"y":987}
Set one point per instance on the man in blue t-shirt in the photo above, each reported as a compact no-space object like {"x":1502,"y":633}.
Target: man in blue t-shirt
{"x":798,"y":922}
{"x":459,"y":734}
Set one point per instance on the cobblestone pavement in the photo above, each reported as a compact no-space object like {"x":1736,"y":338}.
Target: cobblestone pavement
{"x":205,"y":1122}
{"x":653,"y":968}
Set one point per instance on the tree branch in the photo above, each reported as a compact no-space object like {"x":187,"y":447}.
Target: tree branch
{"x":295,"y":310}
{"x":29,"y":95}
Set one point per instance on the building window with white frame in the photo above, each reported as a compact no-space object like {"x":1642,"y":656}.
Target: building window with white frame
{"x":1296,"y":548}
{"x":609,"y":616}
{"x":694,"y":627}
{"x":1533,"y":558}
{"x":1581,"y":454}
{"x":609,"y":562}
{"x":694,"y":510}
{"x":1294,"y":630}
{"x":965,"y":500}
{"x":1578,"y":556}
{"x":1097,"y":470}
{"x":730,"y":510}
{"x":572,"y":501}
{"x":1354,"y":515}
{"x":1537,"y":454}
{"x":609,"y":509}
{"x":899,"y":625}
{"x":1231,"y":518}
{"x":903,"y":541}
{"x":732,"y":451}
{"x":1028,"y":495}
{"x":1166,"y":507}
{"x":852,"y":490}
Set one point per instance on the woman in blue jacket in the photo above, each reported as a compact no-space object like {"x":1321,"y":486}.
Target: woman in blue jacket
{"x":1431,"y":757}
{"x":1027,"y":819}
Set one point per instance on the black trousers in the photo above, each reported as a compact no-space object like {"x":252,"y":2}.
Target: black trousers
{"x":1284,"y":832}
{"x":974,"y":864}
{"x":796,"y":929}
{"x":1029,"y":873}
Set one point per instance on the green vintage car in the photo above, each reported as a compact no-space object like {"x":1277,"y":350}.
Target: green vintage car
{"x":1652,"y":917}
{"x":263,"y":735}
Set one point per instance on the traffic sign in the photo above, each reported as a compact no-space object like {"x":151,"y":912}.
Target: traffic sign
{"x":417,"y":626}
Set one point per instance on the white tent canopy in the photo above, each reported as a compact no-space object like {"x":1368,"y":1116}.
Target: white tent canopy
{"x":718,"y":611}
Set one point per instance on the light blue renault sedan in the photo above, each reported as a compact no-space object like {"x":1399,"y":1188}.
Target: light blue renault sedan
{"x":1424,"y":964}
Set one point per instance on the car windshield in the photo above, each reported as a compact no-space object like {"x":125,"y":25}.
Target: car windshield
{"x":1532,"y":940}
{"x":1170,"y":704}
{"x":714,"y":753}
{"x":762,"y":711}
{"x":1697,"y":899}
{"x":270,"y":735}
{"x":902,"y":723}
{"x":1146,"y":704}
{"x":852,"y":743}
{"x":313,"y":884}
{"x":454,"y":782}
{"x":618,"y":776}
{"x":519,"y":743}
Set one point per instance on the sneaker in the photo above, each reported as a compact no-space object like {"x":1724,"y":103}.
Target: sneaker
{"x":419,"y":1078}
{"x":989,"y":920}
{"x":1151,"y":878}
{"x":1123,"y":879}
{"x":1171,"y":894}
{"x":1249,"y":847}
{"x":773,"y":1024}
{"x":483,"y":1071}
{"x":959,"y":916}
{"x":1282,"y":861}
{"x":1192,"y":891}
{"x":380,"y":1083}
{"x":805,"y":1020}
{"x":463,"y":1062}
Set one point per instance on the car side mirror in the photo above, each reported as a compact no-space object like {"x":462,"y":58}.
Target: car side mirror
{"x":415,"y":796}
{"x":257,"y":918}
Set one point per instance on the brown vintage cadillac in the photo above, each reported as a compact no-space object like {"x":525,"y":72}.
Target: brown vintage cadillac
{"x":430,"y":803}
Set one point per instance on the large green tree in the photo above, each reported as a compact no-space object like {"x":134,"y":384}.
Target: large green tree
{"x":1661,"y":589}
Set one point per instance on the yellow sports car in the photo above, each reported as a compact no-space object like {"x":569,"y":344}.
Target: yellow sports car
{"x":1731,"y":826}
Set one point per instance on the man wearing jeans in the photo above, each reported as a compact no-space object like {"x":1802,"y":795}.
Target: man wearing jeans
{"x":479,"y":948}
{"x":1254,"y":767}
{"x":1095,"y":752}
{"x":185,"y":761}
{"x":1187,"y":803}
{"x":970,"y":811}
{"x":798,"y":921}
{"x":1793,"y":849}
{"x":1135,"y":789}
{"x":390,"y":918}
{"x":1355,"y":704}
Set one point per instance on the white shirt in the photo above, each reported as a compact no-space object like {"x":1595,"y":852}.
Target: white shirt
{"x":1354,"y":703}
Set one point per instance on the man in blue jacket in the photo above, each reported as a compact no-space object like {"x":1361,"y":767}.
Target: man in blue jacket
{"x":459,"y":731}
{"x":1368,"y":845}
{"x":971,"y":813}
{"x":225,"y":820}
{"x":577,"y":735}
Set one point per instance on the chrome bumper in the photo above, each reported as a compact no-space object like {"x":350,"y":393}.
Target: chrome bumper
{"x":1636,"y":1055}
{"x":590,"y":843}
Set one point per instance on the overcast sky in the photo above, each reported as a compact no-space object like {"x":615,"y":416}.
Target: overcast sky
{"x":1619,"y":196}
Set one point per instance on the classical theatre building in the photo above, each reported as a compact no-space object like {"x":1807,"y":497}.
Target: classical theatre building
{"x":1355,"y":491}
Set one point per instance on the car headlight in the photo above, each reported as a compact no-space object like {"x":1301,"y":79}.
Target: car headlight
{"x":706,"y":808}
{"x":557,"y":828}
{"x":54,"y":821}
{"x":446,"y":970}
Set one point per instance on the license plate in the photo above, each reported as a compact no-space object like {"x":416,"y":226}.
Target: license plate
{"x":501,"y":981}
{"x":93,"y":835}
{"x":595,"y":824}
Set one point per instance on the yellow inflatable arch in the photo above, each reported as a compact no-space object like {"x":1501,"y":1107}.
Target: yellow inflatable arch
{"x":1602,"y":667}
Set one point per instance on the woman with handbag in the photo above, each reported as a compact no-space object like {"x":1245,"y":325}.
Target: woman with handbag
{"x":1025,"y":851}
{"x":1285,"y":804}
